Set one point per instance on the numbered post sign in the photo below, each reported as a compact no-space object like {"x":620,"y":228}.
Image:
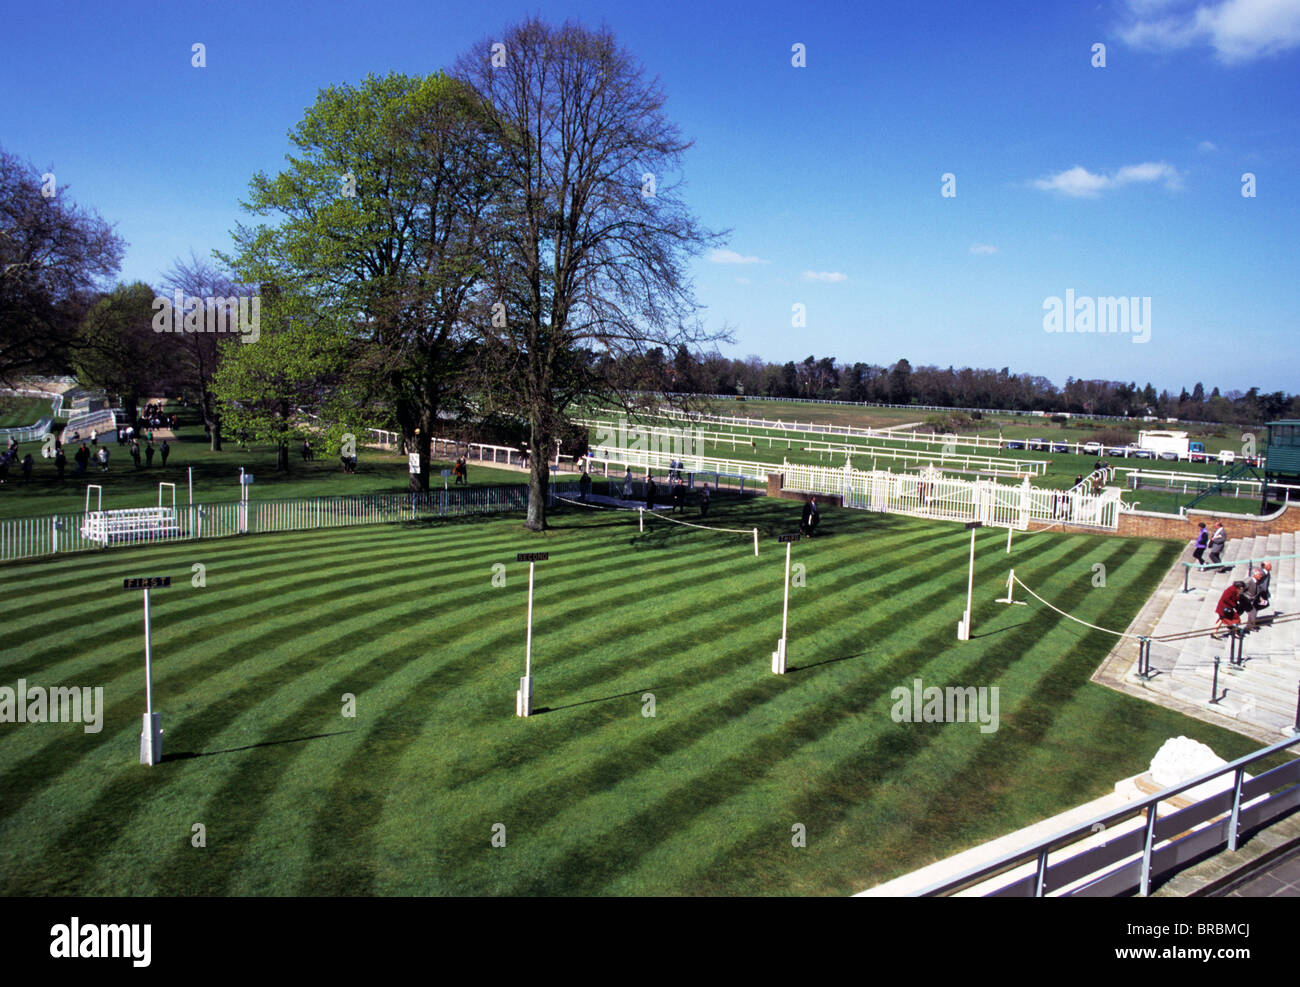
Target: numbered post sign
{"x":532,"y":556}
{"x":782,"y":539}
{"x":414,"y":458}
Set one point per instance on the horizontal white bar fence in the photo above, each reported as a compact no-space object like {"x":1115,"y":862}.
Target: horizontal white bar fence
{"x":59,"y":534}
{"x":929,"y":494}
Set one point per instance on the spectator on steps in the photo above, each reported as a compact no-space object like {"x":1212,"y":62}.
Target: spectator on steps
{"x":1201,"y":544}
{"x":1228,"y":608}
{"x":1217,"y":541}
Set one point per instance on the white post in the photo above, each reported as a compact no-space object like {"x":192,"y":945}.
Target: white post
{"x":755,"y":543}
{"x":963,"y":627}
{"x":1009,"y":539}
{"x":778,"y":656}
{"x":151,"y":727}
{"x":524,"y":697}
{"x":640,"y":519}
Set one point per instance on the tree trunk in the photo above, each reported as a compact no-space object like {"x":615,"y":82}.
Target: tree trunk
{"x":214,"y":443}
{"x":282,"y":457}
{"x":212,"y":420}
{"x":538,"y":474}
{"x":420,"y":444}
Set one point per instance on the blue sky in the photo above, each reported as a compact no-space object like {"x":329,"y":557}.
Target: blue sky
{"x":1122,"y":180}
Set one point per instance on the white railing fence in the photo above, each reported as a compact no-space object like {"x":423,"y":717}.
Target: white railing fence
{"x":930,"y":494}
{"x":58,"y":534}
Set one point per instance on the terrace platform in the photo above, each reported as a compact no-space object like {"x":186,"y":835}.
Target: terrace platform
{"x":1258,"y":698}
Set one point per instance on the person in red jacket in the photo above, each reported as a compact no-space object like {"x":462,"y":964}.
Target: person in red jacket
{"x":1229,"y":608}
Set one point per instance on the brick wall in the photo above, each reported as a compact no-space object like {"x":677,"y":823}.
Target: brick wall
{"x":776,"y":488}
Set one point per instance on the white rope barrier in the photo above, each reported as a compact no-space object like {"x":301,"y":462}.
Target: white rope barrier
{"x":703,"y":527}
{"x":1071,"y":616}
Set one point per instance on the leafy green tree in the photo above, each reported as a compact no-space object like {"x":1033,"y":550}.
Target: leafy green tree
{"x":381,"y":213}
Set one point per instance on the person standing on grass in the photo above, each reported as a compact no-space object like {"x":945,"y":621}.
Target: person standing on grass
{"x":1217,"y":541}
{"x":28,"y":463}
{"x":60,"y":462}
{"x":584,"y":485}
{"x":148,"y":453}
{"x":649,"y":492}
{"x":704,"y":501}
{"x":103,"y":459}
{"x":135,"y":452}
{"x":165,"y":450}
{"x":82,"y":457}
{"x":1201,"y":544}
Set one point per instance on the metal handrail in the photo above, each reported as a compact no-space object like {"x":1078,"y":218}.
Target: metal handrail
{"x":1040,"y":849}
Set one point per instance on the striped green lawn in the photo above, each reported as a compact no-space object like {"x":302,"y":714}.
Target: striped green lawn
{"x":595,"y":798}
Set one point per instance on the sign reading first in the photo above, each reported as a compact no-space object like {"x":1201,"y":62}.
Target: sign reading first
{"x":146,"y":582}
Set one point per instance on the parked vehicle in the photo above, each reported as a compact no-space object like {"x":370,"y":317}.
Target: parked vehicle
{"x":1119,"y":451}
{"x":1198,"y":457}
{"x":1227,"y":456}
{"x":1173,"y":456}
{"x":1134,"y":452}
{"x":1060,"y":447}
{"x":1092,"y":448}
{"x":1015,"y":444}
{"x":1040,"y":444}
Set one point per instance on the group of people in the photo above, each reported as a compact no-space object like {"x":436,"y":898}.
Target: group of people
{"x":1241,"y":601}
{"x":1215,"y":543}
{"x":680,"y":493}
{"x":9,"y":458}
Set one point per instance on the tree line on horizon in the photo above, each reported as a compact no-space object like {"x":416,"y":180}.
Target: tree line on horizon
{"x":827,"y":379}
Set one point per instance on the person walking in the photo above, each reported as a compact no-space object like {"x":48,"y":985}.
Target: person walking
{"x":1228,"y":609}
{"x":60,"y":463}
{"x":28,"y":463}
{"x":705,"y":498}
{"x":148,"y":453}
{"x":135,"y":452}
{"x":627,"y":484}
{"x":1217,"y":541}
{"x":165,"y":451}
{"x":1250,"y":599}
{"x":584,"y":485}
{"x":1201,"y":544}
{"x":103,"y":459}
{"x":649,"y":492}
{"x":83,"y":458}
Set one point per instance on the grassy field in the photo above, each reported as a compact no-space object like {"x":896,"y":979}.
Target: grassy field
{"x":595,"y":798}
{"x":17,"y":412}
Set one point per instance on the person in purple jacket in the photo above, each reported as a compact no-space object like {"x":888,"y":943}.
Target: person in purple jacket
{"x":1201,"y":544}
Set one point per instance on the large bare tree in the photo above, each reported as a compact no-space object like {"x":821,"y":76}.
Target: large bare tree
{"x":53,"y":256}
{"x":198,"y":354}
{"x":588,"y":257}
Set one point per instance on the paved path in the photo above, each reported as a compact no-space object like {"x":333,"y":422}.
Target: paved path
{"x":1281,"y":879}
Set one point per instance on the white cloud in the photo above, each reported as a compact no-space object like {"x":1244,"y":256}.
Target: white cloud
{"x":731,"y":257}
{"x":824,"y":276}
{"x":1237,"y":30}
{"x":1079,"y":182}
{"x":1206,"y":147}
{"x":983,"y":248}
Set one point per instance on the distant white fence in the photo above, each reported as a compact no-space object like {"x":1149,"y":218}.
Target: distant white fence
{"x":929,"y":494}
{"x":58,"y":534}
